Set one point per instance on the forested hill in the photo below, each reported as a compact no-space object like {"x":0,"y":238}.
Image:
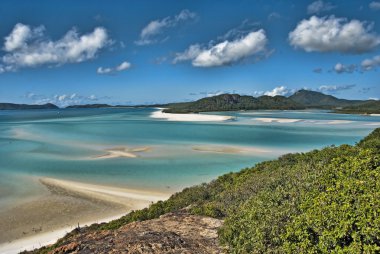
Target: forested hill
{"x":12,"y":106}
{"x":323,"y":201}
{"x":302,"y":99}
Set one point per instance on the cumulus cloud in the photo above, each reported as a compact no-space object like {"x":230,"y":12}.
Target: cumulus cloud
{"x":19,"y":35}
{"x":371,"y":63}
{"x":111,"y":70}
{"x":334,"y":88}
{"x":280,"y":90}
{"x":331,"y":34}
{"x":341,"y":68}
{"x":319,"y":6}
{"x":226,"y":52}
{"x":27,"y":47}
{"x":374,"y":6}
{"x":149,"y":34}
{"x":64,"y":100}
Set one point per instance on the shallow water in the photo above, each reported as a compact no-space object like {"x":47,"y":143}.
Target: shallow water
{"x":65,"y":144}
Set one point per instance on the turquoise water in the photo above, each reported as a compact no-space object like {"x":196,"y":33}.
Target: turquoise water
{"x":65,"y":143}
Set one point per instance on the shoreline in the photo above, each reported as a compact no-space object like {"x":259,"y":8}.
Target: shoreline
{"x":67,"y":204}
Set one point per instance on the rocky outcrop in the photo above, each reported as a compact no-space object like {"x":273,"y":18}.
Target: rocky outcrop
{"x":178,"y":232}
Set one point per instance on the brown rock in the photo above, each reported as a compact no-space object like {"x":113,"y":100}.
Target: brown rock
{"x":173,"y":233}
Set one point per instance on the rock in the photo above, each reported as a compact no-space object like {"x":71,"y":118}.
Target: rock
{"x":174,"y":233}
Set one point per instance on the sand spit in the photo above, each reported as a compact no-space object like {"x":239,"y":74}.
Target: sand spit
{"x":228,"y":149}
{"x":276,"y":120}
{"x":67,"y":203}
{"x":122,"y":152}
{"x":339,"y":122}
{"x":189,"y":117}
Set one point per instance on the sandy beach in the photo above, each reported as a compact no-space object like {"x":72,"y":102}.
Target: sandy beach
{"x":189,"y":117}
{"x":66,"y":203}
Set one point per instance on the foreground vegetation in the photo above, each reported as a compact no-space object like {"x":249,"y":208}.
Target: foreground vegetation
{"x":323,"y":201}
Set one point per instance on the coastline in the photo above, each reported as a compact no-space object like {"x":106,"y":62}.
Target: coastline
{"x":67,"y":204}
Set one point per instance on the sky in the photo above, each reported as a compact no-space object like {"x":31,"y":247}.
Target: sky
{"x":142,"y":52}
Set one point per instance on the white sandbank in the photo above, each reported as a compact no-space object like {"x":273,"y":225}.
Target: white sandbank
{"x":339,"y":122}
{"x":374,"y":114}
{"x":106,"y":193}
{"x":120,"y":152}
{"x":131,"y":199}
{"x":189,"y":117}
{"x":276,"y":120}
{"x":229,"y":149}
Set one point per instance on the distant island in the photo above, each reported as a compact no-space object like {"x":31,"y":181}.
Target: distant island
{"x":13,"y":106}
{"x":302,"y":99}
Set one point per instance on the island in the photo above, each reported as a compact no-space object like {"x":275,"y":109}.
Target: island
{"x":302,"y":99}
{"x":13,"y":106}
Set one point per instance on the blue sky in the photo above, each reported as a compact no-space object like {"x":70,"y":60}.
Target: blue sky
{"x":137,"y":52}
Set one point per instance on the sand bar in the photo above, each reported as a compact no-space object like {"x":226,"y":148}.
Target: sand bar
{"x":66,"y":203}
{"x":122,"y":152}
{"x":189,"y":117}
{"x":228,"y":149}
{"x":276,"y":120}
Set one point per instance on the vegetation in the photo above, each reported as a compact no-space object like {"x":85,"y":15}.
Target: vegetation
{"x":90,"y":106}
{"x":12,"y":106}
{"x":313,"y":99}
{"x":229,"y":102}
{"x":369,"y":107}
{"x":323,"y":201}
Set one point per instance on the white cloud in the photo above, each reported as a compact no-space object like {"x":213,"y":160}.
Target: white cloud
{"x":63,"y":100}
{"x":17,"y":38}
{"x":334,"y":88}
{"x":123,"y":66}
{"x":226,"y":52}
{"x":111,"y":70}
{"x":150,"y":32}
{"x":341,"y":68}
{"x":374,"y":5}
{"x":370,"y":64}
{"x":280,"y":90}
{"x":319,"y":6}
{"x":29,"y":47}
{"x":330,"y":34}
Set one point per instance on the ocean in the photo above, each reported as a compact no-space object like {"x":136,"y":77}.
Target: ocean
{"x":84,"y":145}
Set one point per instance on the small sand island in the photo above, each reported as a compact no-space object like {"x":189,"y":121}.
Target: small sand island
{"x":228,"y":149}
{"x":122,"y":152}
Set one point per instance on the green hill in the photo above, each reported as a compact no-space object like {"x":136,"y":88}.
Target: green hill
{"x":90,"y":106}
{"x":323,"y":201}
{"x":13,"y":106}
{"x":301,"y":99}
{"x":317,"y":99}
{"x":229,"y":102}
{"x":368,"y":107}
